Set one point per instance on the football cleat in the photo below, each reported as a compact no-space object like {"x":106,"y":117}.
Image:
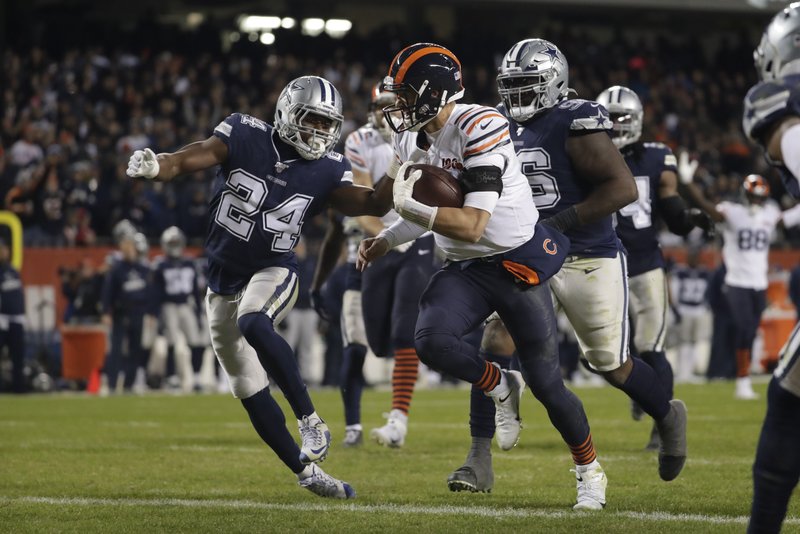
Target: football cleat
{"x":506,"y":396}
{"x":591,"y":481}
{"x":744,"y":389}
{"x":393,"y":433}
{"x":318,"y":481}
{"x":315,"y":437}
{"x":353,"y":437}
{"x":476,"y":475}
{"x":655,"y":440}
{"x":672,"y":429}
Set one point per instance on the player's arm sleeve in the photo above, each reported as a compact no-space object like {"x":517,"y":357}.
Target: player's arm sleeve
{"x":484,"y":161}
{"x":401,"y":231}
{"x":790,"y":150}
{"x":676,"y":214}
{"x":791,"y":217}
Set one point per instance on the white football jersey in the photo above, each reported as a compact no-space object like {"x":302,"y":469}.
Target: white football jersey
{"x":368,"y":152}
{"x":477,"y":135}
{"x":747,"y":232}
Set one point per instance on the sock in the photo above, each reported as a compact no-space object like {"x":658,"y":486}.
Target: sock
{"x":742,"y":363}
{"x":480,"y":447}
{"x":643,"y":386}
{"x":404,"y":377}
{"x":777,"y":466}
{"x":269,"y":422}
{"x":352,"y":381}
{"x":277,"y":357}
{"x":197,"y":358}
{"x":584,"y":454}
{"x":658,"y":361}
{"x":489,"y":379}
{"x":481,"y":407}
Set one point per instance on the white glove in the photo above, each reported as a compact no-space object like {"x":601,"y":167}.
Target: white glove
{"x":686,"y":168}
{"x":406,"y":206}
{"x":143,"y":163}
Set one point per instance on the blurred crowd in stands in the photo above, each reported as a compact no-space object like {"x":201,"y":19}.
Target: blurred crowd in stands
{"x":71,"y":118}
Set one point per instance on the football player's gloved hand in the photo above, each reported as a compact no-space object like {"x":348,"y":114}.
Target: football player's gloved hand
{"x":318,"y":303}
{"x":408,"y":208}
{"x":686,"y":168}
{"x":700,"y":219}
{"x":143,"y":163}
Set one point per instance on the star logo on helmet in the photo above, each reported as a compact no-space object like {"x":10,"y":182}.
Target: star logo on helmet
{"x":552,"y":52}
{"x":295,"y":86}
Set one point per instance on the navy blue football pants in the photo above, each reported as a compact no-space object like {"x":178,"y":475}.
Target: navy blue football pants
{"x":125,"y":327}
{"x":748,"y":305}
{"x":460,"y":297}
{"x":391,"y":287}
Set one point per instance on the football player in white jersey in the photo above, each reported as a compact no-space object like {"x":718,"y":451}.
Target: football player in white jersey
{"x":747,"y":233}
{"x":772,"y":119}
{"x":498,"y":258}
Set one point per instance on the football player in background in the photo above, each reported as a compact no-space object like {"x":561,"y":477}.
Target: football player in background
{"x":269,"y":180}
{"x":689,"y":285}
{"x":176,"y":284}
{"x":654,"y":168}
{"x":747,"y":233}
{"x":578,"y":179}
{"x":772,"y":119}
{"x":499,"y":259}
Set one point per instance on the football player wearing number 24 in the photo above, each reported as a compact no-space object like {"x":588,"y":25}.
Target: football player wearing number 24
{"x":270,"y":179}
{"x":499,"y":259}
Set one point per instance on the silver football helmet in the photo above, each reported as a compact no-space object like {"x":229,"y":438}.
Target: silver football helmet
{"x":778,"y":54}
{"x":173,"y":241}
{"x":308,"y":116}
{"x":122,"y":229}
{"x":626,"y":113}
{"x":533,"y":76}
{"x":142,"y":245}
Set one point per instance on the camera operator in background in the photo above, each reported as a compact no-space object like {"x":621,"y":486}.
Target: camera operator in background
{"x":12,"y":318}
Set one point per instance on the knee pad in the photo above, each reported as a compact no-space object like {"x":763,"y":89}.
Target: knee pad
{"x":246,"y":376}
{"x":434,"y":346}
{"x":353,"y":330}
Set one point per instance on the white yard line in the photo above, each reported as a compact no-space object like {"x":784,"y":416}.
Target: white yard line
{"x":400,"y":509}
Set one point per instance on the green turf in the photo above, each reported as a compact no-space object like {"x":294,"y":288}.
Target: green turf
{"x":193,"y":464}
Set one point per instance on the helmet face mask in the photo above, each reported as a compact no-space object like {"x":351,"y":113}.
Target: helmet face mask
{"x":533,"y":76}
{"x":308,"y":116}
{"x":425,"y":77}
{"x":778,"y":53}
{"x":626,"y":113}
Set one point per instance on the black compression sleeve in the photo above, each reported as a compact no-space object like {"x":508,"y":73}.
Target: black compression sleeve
{"x":484,"y":178}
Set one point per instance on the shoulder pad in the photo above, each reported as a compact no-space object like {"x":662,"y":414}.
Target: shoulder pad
{"x":767,"y":102}
{"x":587,"y":115}
{"x":253,"y":122}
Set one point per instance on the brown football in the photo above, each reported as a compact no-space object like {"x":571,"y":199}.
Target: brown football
{"x":437,"y":187}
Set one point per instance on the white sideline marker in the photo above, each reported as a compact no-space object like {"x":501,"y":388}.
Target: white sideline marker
{"x":402,"y":509}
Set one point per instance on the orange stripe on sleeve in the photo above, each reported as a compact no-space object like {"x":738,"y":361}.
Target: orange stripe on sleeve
{"x":488,"y":144}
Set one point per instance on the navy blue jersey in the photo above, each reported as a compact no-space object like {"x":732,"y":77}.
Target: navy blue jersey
{"x":175,"y":280}
{"x":127,"y":288}
{"x":262,"y":195}
{"x":12,"y":294}
{"x":692,"y":286}
{"x":766,"y":104}
{"x":638,"y":222}
{"x":541,"y":146}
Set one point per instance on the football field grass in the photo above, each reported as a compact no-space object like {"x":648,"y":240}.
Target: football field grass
{"x":193,"y":464}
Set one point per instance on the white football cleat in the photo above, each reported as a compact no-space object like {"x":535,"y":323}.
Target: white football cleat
{"x":744,"y":389}
{"x":591,"y":482}
{"x":353,"y":436}
{"x":315,"y":480}
{"x":393,"y":433}
{"x":315,"y":438}
{"x":506,"y":396}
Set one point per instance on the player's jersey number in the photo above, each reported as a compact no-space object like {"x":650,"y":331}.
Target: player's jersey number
{"x":752,"y":239}
{"x":179,"y":281}
{"x":640,"y":210}
{"x":240,"y":204}
{"x":544,"y":188}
